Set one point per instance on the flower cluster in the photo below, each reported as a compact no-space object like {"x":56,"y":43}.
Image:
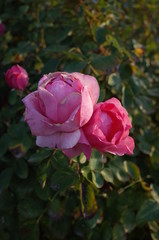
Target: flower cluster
{"x":63,"y":113}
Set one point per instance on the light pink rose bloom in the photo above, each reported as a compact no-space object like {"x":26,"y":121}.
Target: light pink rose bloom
{"x":16,"y":77}
{"x":2,"y":29}
{"x":63,"y":103}
{"x":108,"y":129}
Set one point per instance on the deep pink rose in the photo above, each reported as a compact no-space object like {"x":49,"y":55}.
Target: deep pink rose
{"x":16,"y":77}
{"x":108,"y":129}
{"x":2,"y":29}
{"x":63,"y":103}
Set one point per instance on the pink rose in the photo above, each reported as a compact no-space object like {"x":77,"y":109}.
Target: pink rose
{"x":63,"y":103}
{"x":2,"y":29}
{"x":16,"y":77}
{"x":108,"y":129}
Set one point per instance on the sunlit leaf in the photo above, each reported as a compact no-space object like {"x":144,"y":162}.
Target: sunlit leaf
{"x":88,"y":200}
{"x":97,"y":179}
{"x":132,"y":170}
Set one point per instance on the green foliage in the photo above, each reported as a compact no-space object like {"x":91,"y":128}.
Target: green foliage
{"x":43,"y":195}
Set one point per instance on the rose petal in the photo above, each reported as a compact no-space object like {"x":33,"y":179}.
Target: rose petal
{"x":59,"y":140}
{"x":82,"y":146}
{"x":39,"y":124}
{"x":91,"y":83}
{"x":124,"y":147}
{"x":86,"y":107}
{"x":49,"y":102}
{"x":67,"y":106}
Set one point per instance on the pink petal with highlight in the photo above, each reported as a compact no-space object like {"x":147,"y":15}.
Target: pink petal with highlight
{"x":59,"y":140}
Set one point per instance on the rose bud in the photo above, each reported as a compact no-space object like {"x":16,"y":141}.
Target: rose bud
{"x":17,"y":77}
{"x":108,"y":129}
{"x":63,"y":103}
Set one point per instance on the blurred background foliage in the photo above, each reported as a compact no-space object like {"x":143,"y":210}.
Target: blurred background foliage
{"x":43,"y":195}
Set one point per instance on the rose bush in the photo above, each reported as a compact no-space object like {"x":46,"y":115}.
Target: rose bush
{"x":57,"y":111}
{"x":108,"y":129}
{"x":17,"y":77}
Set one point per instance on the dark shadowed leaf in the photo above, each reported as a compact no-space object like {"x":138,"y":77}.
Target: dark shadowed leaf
{"x":149,"y":211}
{"x":39,"y":156}
{"x":22,"y":169}
{"x":63,"y":179}
{"x":74,"y":66}
{"x":118,"y":232}
{"x":5,"y":177}
{"x":106,"y":231}
{"x":30,"y":208}
{"x":127,"y":97}
{"x":128,"y":220}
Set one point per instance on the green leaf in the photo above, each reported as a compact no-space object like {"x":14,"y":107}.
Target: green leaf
{"x":107,"y":175}
{"x":86,"y":172}
{"x":22,"y":169}
{"x":132,"y":170}
{"x":5,"y":177}
{"x":117,"y":167}
{"x":102,"y":95}
{"x":155,"y":192}
{"x":145,"y":104}
{"x":118,"y":232}
{"x":127,"y":97}
{"x":155,"y":236}
{"x":30,"y":208}
{"x":113,"y":41}
{"x":98,"y":217}
{"x":4,"y":144}
{"x":59,"y":160}
{"x":43,"y":193}
{"x":149,"y":211}
{"x":125,"y":71}
{"x":30,"y":230}
{"x":61,"y":34}
{"x":96,"y":164}
{"x":63,"y":179}
{"x":74,"y":66}
{"x":145,"y":147}
{"x":39,"y":156}
{"x":154,"y":227}
{"x":114,"y":81}
{"x":4,"y":235}
{"x":106,"y":232}
{"x":12,"y":97}
{"x":80,"y":227}
{"x":50,"y":66}
{"x":101,"y":34}
{"x":83,"y":158}
{"x":102,"y":62}
{"x":154,"y":92}
{"x":97,"y":179}
{"x":128,"y":220}
{"x":7,"y":202}
{"x":43,"y":172}
{"x":55,"y":209}
{"x":88,"y":201}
